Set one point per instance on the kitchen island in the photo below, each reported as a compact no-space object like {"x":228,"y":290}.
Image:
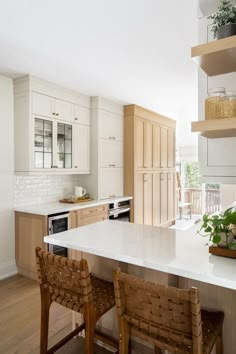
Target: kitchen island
{"x":167,"y":256}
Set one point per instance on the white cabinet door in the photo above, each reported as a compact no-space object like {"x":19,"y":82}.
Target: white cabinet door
{"x":63,"y":110}
{"x":42,"y":105}
{"x":82,"y":115}
{"x":110,"y":182}
{"x":110,"y":126}
{"x":81,"y":148}
{"x":111,"y":153}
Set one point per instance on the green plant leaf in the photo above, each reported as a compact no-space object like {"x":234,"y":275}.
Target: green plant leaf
{"x":216,"y":239}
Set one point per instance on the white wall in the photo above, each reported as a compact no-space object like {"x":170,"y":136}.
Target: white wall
{"x":7,"y":237}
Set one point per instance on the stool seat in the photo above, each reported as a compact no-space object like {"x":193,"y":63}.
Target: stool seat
{"x":103,"y":297}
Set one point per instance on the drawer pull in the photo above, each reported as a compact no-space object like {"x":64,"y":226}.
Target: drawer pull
{"x":112,"y":137}
{"x":92,"y":211}
{"x":112,"y":165}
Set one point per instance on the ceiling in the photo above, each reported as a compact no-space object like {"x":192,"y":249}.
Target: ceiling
{"x":134,"y":51}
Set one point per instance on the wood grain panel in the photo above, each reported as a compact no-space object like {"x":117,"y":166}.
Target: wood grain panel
{"x":156,"y":199}
{"x":147,"y":145}
{"x":139,"y":126}
{"x":156,"y":146}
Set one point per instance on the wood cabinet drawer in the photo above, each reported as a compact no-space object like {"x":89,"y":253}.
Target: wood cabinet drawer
{"x":93,"y":211}
{"x":92,"y":219}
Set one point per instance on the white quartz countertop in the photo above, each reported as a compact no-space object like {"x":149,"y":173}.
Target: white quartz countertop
{"x":183,"y":253}
{"x":54,"y":208}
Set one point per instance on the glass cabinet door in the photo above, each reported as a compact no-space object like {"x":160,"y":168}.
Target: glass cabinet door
{"x":43,"y":143}
{"x":64,"y":145}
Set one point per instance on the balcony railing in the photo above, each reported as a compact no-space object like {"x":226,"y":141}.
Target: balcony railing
{"x":212,"y":202}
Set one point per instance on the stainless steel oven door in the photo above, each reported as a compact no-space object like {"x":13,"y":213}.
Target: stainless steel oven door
{"x":121,"y":214}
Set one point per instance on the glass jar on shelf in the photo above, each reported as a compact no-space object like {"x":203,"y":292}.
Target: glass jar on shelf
{"x":214,"y":104}
{"x":230,"y":105}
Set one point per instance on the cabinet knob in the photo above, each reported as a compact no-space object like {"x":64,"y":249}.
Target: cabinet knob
{"x":57,"y":114}
{"x":53,"y":113}
{"x":76,"y":166}
{"x":76,"y":118}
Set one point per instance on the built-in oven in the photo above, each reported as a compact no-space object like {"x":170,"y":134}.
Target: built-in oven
{"x":119,"y":211}
{"x":58,"y":223}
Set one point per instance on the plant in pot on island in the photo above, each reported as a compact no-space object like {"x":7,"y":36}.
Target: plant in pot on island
{"x":220,"y":228}
{"x":224,"y":20}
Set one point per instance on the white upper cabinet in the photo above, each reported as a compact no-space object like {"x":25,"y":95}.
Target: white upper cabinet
{"x":110,"y":182}
{"x":47,"y":137}
{"x":51,"y":107}
{"x":82,"y":115}
{"x":42,"y":105}
{"x":111,"y":153}
{"x":106,"y":179}
{"x":82,"y":148}
{"x":63,"y":110}
{"x":111,"y":126}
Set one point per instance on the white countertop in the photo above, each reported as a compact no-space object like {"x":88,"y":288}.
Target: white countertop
{"x":54,"y":208}
{"x":182,"y":253}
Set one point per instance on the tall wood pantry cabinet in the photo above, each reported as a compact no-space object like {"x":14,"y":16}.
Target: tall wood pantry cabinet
{"x":149,"y":166}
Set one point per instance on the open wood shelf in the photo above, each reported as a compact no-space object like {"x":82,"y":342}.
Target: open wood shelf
{"x":215,"y":128}
{"x":217,"y":57}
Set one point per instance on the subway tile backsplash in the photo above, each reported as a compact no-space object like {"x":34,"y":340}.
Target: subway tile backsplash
{"x":30,"y":190}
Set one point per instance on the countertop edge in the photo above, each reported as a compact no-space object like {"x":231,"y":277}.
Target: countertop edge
{"x":57,"y":207}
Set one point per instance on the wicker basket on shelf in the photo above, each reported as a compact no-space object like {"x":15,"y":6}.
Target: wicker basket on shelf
{"x":220,"y":105}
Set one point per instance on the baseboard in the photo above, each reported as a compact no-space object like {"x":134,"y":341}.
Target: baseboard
{"x":7,"y":269}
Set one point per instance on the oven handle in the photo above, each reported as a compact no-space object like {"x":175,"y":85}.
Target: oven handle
{"x":62,"y":216}
{"x":118,"y":211}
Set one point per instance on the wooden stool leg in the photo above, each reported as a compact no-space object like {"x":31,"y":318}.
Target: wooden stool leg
{"x":219,"y":344}
{"x":45,"y":307}
{"x":89,"y":339}
{"x":158,"y":350}
{"x":124,"y":337}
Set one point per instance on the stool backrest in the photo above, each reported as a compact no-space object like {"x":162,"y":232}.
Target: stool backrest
{"x":61,"y":276}
{"x":168,"y":312}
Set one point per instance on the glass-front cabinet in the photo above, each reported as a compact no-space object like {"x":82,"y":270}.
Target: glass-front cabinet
{"x":52,"y":144}
{"x":64,"y":145}
{"x":43,"y":143}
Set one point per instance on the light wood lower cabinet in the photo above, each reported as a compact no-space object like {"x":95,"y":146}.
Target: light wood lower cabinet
{"x":147,"y":198}
{"x":154,"y":203}
{"x":84,"y":217}
{"x":29,"y":232}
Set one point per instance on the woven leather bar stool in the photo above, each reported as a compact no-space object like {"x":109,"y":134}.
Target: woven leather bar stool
{"x":166,"y":317}
{"x":69,"y":283}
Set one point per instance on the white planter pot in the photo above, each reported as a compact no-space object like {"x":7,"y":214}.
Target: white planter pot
{"x":225,"y":239}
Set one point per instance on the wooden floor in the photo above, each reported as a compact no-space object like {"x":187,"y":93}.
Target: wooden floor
{"x":20,"y":321}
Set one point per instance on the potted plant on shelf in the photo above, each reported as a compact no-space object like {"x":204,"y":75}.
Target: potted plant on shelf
{"x":224,"y":20}
{"x":221,"y":230}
